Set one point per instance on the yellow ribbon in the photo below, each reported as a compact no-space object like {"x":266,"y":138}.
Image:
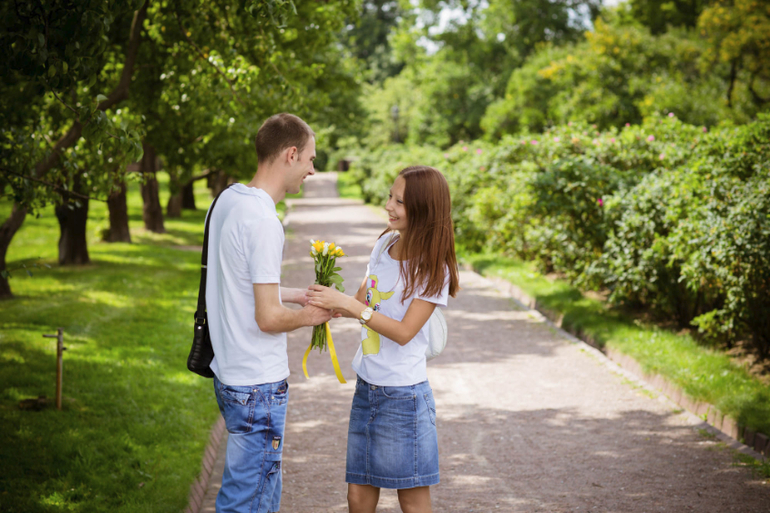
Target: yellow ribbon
{"x":332,"y":355}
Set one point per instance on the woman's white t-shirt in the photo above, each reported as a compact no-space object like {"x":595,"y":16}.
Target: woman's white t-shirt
{"x":379,"y":360}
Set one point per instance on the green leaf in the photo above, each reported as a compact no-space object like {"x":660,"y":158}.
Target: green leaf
{"x":64,"y":66}
{"x":51,"y":71}
{"x":5,"y":274}
{"x":100,"y":98}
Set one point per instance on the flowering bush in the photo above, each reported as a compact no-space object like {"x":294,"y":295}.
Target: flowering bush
{"x":638,"y":210}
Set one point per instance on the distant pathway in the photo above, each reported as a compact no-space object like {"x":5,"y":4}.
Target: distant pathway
{"x":527,"y":419}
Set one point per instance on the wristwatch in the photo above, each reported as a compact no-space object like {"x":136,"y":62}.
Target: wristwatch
{"x":365,"y":316}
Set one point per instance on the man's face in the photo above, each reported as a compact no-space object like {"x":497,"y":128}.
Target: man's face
{"x":302,"y":167}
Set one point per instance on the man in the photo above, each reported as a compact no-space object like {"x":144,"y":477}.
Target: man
{"x":247,"y":319}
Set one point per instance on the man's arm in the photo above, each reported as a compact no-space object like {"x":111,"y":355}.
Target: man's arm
{"x":296,"y":296}
{"x":272,"y":316}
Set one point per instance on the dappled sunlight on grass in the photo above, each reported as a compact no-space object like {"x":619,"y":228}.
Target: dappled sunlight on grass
{"x":132,"y":414}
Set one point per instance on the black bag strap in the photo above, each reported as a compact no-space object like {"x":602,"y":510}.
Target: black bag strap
{"x":200,"y":313}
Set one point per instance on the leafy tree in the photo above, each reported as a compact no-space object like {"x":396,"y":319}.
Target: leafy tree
{"x":367,"y":38}
{"x":523,"y":25}
{"x":660,"y":15}
{"x":618,"y":75}
{"x":738,"y":33}
{"x":231,"y":63}
{"x":469,"y":58}
{"x":55,"y":54}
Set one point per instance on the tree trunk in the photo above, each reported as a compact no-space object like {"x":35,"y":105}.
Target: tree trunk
{"x":153,"y":212}
{"x":73,"y":219}
{"x":217,"y":182}
{"x":174,"y":207}
{"x":7,"y":231}
{"x":188,"y":196}
{"x":116,"y":203}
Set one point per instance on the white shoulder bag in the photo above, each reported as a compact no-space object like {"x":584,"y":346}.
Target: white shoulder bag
{"x":437,"y":330}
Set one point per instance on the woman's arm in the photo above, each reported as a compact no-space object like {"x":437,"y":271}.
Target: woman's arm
{"x":400,"y":332}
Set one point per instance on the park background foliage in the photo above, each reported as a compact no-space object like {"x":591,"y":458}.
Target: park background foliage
{"x":621,"y":149}
{"x":624,"y":149}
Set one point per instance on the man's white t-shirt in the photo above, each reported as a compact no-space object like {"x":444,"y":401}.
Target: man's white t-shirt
{"x":379,"y":360}
{"x":245,"y":247}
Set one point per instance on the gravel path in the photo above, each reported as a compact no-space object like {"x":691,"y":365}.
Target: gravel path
{"x":527,"y":419}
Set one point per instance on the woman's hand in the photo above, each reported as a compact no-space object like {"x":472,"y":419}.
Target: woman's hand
{"x":332,"y":299}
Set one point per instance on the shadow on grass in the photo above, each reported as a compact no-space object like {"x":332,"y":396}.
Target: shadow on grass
{"x":135,"y":421}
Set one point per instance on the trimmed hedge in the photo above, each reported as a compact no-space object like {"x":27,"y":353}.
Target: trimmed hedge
{"x":668,"y":216}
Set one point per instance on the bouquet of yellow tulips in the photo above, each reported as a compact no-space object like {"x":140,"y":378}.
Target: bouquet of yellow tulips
{"x":325,"y":256}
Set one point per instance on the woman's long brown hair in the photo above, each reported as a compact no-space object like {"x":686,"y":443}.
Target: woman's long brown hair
{"x":428,"y":245}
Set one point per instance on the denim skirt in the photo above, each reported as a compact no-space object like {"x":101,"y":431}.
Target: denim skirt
{"x":392,"y":441}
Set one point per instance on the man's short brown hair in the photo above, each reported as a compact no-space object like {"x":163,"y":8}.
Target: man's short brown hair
{"x":279,"y":132}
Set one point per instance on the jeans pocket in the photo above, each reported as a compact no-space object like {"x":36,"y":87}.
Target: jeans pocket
{"x":237,"y":408}
{"x":271,"y":485}
{"x":398,"y":392}
{"x":234,"y":395}
{"x":431,"y":407}
{"x":280,"y":393}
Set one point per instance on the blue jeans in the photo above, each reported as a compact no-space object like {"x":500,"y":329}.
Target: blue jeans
{"x":255,"y":417}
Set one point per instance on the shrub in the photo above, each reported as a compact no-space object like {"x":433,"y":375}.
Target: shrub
{"x":666,"y":215}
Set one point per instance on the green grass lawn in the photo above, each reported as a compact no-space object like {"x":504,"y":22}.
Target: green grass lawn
{"x":135,"y":421}
{"x":347,"y":187}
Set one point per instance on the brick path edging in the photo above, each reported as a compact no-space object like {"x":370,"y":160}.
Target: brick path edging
{"x":199,"y":487}
{"x":725,"y":424}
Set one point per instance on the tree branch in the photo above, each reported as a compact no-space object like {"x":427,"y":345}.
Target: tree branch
{"x":120,"y":93}
{"x":758,"y":99}
{"x":51,"y":185}
{"x":198,"y":177}
{"x":733,"y":76}
{"x":63,"y":102}
{"x":200,"y":53}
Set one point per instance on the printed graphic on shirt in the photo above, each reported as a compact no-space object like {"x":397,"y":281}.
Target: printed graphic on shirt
{"x":374,"y":298}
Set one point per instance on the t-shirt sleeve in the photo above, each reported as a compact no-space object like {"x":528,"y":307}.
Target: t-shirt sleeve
{"x":441,"y":298}
{"x":263,"y":247}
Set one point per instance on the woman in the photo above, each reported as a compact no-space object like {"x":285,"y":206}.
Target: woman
{"x":392,"y":441}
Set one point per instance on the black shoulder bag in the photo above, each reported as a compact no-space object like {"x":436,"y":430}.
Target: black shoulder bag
{"x":201,"y":352}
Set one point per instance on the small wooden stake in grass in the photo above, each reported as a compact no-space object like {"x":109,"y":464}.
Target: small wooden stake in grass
{"x":59,"y":363}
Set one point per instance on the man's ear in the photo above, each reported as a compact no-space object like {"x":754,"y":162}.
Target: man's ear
{"x":292,"y":154}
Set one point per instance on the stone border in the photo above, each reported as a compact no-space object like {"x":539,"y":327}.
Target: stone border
{"x":199,"y":487}
{"x":745,"y":440}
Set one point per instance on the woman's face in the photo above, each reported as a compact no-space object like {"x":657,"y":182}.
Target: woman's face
{"x":395,"y":205}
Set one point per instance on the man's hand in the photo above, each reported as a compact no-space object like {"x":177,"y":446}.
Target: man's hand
{"x":316,"y":315}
